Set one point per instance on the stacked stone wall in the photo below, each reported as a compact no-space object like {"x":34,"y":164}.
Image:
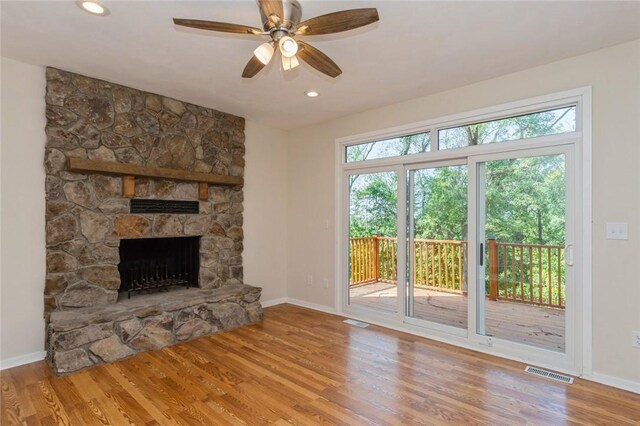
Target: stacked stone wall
{"x":86,"y":215}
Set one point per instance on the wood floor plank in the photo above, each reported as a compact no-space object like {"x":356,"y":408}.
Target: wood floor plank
{"x":278,"y":399}
{"x":129,"y":384}
{"x":12,"y":410}
{"x":229,"y":417}
{"x":57,"y":411}
{"x":303,"y":367}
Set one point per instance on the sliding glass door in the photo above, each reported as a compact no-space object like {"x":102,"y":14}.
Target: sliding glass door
{"x":437,"y":244}
{"x":373,"y":228}
{"x":490,"y":249}
{"x":525,"y":248}
{"x":465,"y":229}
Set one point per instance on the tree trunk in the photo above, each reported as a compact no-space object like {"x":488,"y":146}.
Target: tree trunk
{"x":539,"y":217}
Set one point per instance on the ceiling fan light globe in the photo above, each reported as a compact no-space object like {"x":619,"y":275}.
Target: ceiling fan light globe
{"x":264,"y":52}
{"x":288,"y":46}
{"x":289,"y":63}
{"x":294,"y":62}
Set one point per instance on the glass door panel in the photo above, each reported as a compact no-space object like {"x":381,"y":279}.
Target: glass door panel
{"x":372,"y":255}
{"x":522,"y":223}
{"x":437,"y":245}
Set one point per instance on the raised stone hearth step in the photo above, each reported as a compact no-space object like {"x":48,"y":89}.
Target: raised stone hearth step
{"x":80,"y":338}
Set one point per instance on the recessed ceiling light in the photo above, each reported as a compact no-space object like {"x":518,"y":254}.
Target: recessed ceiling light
{"x":93,"y":7}
{"x":312,"y":93}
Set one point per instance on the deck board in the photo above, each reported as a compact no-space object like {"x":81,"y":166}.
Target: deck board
{"x":539,"y":326}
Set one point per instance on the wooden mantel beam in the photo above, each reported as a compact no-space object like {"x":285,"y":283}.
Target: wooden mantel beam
{"x":82,"y":165}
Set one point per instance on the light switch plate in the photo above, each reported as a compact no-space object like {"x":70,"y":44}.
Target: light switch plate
{"x":617,"y":231}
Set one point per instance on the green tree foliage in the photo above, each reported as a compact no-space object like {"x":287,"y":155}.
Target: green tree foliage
{"x":373,"y":205}
{"x":440,"y":198}
{"x":373,"y":196}
{"x":525,"y":200}
{"x":524,"y":197}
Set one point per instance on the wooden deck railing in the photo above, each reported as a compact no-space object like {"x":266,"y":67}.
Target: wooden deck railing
{"x":526,"y":273}
{"x":363,"y":261}
{"x":440,"y":264}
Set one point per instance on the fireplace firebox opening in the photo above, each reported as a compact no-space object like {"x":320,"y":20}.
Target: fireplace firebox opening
{"x":151,"y":264}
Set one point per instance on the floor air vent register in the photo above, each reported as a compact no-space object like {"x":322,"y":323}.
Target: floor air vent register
{"x":356,"y":323}
{"x":549,"y":374}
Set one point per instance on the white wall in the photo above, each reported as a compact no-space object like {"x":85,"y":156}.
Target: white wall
{"x":614,"y":74}
{"x":22,"y":218}
{"x":265,"y":220}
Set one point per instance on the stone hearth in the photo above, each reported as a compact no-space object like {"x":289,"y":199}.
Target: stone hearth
{"x":84,"y":337}
{"x":87,"y":217}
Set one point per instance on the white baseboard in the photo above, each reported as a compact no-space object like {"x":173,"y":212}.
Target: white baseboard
{"x":273,"y":302}
{"x":22,"y":359}
{"x":616,"y":382}
{"x":314,"y":306}
{"x":297,"y":302}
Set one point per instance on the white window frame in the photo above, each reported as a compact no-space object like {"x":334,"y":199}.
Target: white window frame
{"x":581,"y":97}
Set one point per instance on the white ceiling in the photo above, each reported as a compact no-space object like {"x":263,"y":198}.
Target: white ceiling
{"x":416,"y":49}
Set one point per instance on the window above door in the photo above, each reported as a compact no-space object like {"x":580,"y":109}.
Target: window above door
{"x":546,"y":120}
{"x":542,"y":123}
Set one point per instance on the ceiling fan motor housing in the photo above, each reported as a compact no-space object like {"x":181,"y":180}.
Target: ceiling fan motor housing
{"x":291,"y":15}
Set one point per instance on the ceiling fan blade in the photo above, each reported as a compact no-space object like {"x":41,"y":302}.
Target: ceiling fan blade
{"x":338,"y":21}
{"x":318,"y":60}
{"x":272,"y":7}
{"x":254,"y":66}
{"x":216,"y":26}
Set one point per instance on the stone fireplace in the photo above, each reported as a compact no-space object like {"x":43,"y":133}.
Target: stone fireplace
{"x":101,"y":244}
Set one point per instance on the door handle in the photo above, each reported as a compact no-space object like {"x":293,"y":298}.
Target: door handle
{"x":568,"y":254}
{"x":481,"y":254}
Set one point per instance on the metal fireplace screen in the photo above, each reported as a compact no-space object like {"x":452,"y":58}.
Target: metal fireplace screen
{"x":151,"y":264}
{"x":164,"y":206}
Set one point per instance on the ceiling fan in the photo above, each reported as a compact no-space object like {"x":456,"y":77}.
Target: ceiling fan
{"x":281,"y":21}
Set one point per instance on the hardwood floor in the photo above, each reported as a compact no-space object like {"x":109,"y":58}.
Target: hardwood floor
{"x":304,"y":367}
{"x":533,"y":325}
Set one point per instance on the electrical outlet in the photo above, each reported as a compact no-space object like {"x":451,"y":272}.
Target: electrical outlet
{"x":617,"y":231}
{"x":635,"y":339}
{"x":309,"y":279}
{"x":325,"y":282}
